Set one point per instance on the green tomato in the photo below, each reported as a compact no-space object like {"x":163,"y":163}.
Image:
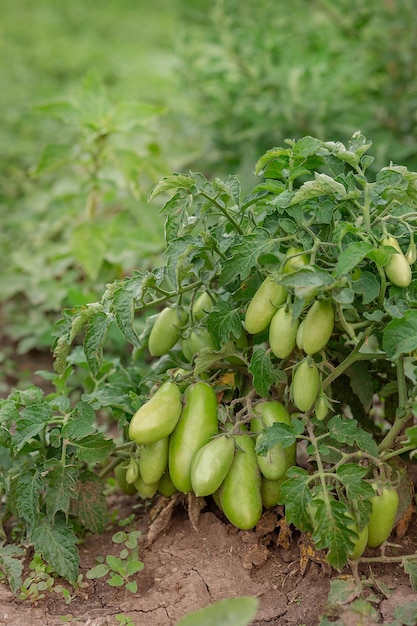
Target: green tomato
{"x":276,"y":461}
{"x":397,"y":269}
{"x":158,"y":417}
{"x":382,"y":518}
{"x":271,"y":491}
{"x":411,"y":254}
{"x":360,"y":542}
{"x":283,"y":333}
{"x":296,"y":262}
{"x":153,"y":460}
{"x":240,"y":494}
{"x":318,"y":326}
{"x":202,"y":305}
{"x":305,"y":385}
{"x":166,"y":331}
{"x":211,"y":464}
{"x":120,"y":476}
{"x":321,"y":406}
{"x":145,"y":491}
{"x":132,"y":472}
{"x":197,"y":425}
{"x":199,"y":339}
{"x":269,"y":296}
{"x":166,"y":487}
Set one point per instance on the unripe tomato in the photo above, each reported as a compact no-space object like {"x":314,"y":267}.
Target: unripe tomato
{"x":120,"y":476}
{"x":411,"y":254}
{"x":321,"y":406}
{"x":263,"y":305}
{"x":397,"y":269}
{"x":274,"y":463}
{"x":382,"y":518}
{"x":305,"y":385}
{"x":240,"y":493}
{"x":158,"y":417}
{"x":300,"y":335}
{"x":145,"y":491}
{"x":271,"y":491}
{"x":283,"y":332}
{"x":360,"y":543}
{"x":197,"y":425}
{"x":297,"y":262}
{"x":211,"y":464}
{"x":153,"y":460}
{"x":132,"y":472}
{"x":166,"y":331}
{"x":318,"y":326}
{"x":198,"y":340}
{"x":166,"y":487}
{"x":202,"y":305}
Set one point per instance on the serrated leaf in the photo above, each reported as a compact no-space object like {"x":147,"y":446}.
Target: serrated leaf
{"x":321,"y":185}
{"x":81,"y":422}
{"x":94,"y":448}
{"x":175,"y":181}
{"x":333,"y":532}
{"x":58,"y":546}
{"x":244,"y":256}
{"x":224,"y":322}
{"x":89,"y":247}
{"x":296,"y":496}
{"x":238,"y":611}
{"x":29,"y":487}
{"x":357,"y":490}
{"x":33,"y":421}
{"x":94,"y":340}
{"x":90,"y":505}
{"x":410,"y":568}
{"x":347,"y":431}
{"x":263,"y":371}
{"x":368,"y":286}
{"x":124,"y":310}
{"x":407,"y":613}
{"x":62,"y":483}
{"x":351,"y":256}
{"x":342,"y":592}
{"x":400,"y":335}
{"x":277,"y":433}
{"x":11,"y":566}
{"x":308,"y":281}
{"x":362,"y":383}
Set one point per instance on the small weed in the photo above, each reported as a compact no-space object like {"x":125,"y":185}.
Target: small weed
{"x":40,"y":581}
{"x":124,"y":620}
{"x":119,"y":569}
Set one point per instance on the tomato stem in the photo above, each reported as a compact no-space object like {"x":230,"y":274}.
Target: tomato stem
{"x":400,"y":420}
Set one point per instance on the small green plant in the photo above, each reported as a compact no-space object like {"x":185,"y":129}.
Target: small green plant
{"x":120,"y":569}
{"x":124,"y":620}
{"x":40,"y":581}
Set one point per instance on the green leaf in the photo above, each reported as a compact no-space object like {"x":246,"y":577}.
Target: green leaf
{"x":368,"y":286}
{"x":94,"y":448}
{"x":176,"y":181}
{"x":277,"y":433}
{"x":11,"y":566}
{"x":410,"y":568}
{"x":132,"y":567}
{"x":308,"y":281}
{"x":94,"y":340}
{"x":90,"y":506}
{"x":358,"y":491}
{"x":61,"y":481}
{"x":29,"y":487}
{"x":89,"y":247}
{"x":347,"y":431}
{"x":98,"y":571}
{"x":263,"y":371}
{"x":224,"y":321}
{"x":81,"y":422}
{"x":244,"y":256}
{"x":132,"y":586}
{"x":33,"y":421}
{"x":114,"y":562}
{"x":239,"y":611}
{"x":124,"y":309}
{"x":58,"y":546}
{"x":362,"y":383}
{"x":116,"y":581}
{"x":342,"y":592}
{"x":322,"y":185}
{"x":130,"y":114}
{"x":296,"y":496}
{"x":351,"y":256}
{"x":52,"y":157}
{"x":400,"y":335}
{"x":333,"y":532}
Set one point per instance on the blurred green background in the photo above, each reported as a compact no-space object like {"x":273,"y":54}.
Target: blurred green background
{"x":99,"y":100}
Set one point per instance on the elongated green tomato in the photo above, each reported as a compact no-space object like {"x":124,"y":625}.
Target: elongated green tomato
{"x":269,"y":296}
{"x":300,"y":335}
{"x":360,"y":542}
{"x":153,"y":460}
{"x":283,"y":333}
{"x":321,"y":406}
{"x":318,"y":326}
{"x":274,"y":463}
{"x":305,"y":385}
{"x":120,"y":476}
{"x":145,"y":491}
{"x":397,"y":269}
{"x":199,"y":339}
{"x":296,"y":262}
{"x":411,"y":254}
{"x":382,"y":518}
{"x":166,"y":487}
{"x":240,"y":493}
{"x":271,"y":491}
{"x":211,"y":464}
{"x":166,"y":331}
{"x":202,"y":305}
{"x":158,"y":417}
{"x":197,"y":425}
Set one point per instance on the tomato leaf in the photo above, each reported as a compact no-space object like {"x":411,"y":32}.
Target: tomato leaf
{"x":296,"y":495}
{"x":410,"y":568}
{"x":224,"y":322}
{"x":400,"y":335}
{"x":263,"y":371}
{"x":29,"y":487}
{"x":277,"y":433}
{"x":61,"y":481}
{"x":347,"y":431}
{"x":58,"y":546}
{"x":90,"y":506}
{"x":321,"y":185}
{"x":332,"y":532}
{"x":351,"y":256}
{"x":238,"y":611}
{"x":33,"y":421}
{"x":94,"y":448}
{"x":95,"y":336}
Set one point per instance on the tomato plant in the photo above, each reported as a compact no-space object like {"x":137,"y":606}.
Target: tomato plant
{"x":354,"y":358}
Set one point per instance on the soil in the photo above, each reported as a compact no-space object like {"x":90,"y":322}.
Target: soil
{"x":189,"y":565}
{"x":193,"y":558}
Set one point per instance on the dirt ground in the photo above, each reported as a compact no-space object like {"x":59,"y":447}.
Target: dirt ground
{"x":186,"y":569}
